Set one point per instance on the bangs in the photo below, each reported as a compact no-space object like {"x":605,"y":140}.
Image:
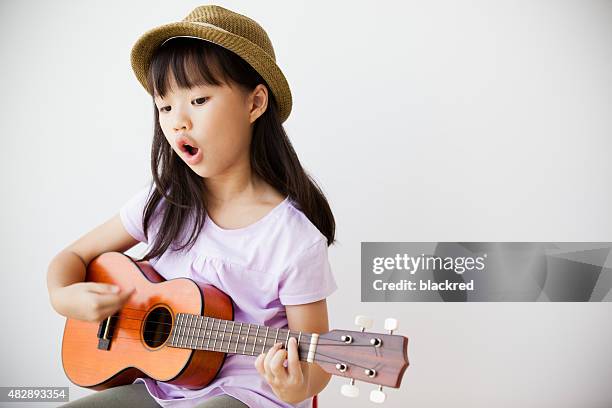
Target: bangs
{"x":191,"y":62}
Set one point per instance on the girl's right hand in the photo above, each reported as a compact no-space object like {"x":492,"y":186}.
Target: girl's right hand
{"x":89,"y":301}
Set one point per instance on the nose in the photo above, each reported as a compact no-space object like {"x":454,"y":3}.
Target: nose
{"x":181,"y":120}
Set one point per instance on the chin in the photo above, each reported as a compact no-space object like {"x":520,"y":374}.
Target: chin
{"x":202,"y":171}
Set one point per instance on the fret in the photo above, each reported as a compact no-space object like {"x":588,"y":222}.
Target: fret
{"x":263,"y":347}
{"x":182,"y":330}
{"x":197,"y":329}
{"x":216,"y":333}
{"x":194,"y":335}
{"x":173,"y":330}
{"x":287,"y":341}
{"x":276,"y":337}
{"x":238,"y":339}
{"x":255,"y":341}
{"x":189,"y":335}
{"x":231,"y":334}
{"x":298,"y":343}
{"x":185,"y":330}
{"x":219,"y":332}
{"x":208,"y":339}
{"x":204,"y":336}
{"x":222,"y":335}
{"x":194,"y":339}
{"x":247,"y":338}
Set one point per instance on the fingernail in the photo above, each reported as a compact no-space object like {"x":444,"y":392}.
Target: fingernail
{"x":115,"y":289}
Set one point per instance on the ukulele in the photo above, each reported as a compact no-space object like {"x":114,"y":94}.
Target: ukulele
{"x":179,"y":331}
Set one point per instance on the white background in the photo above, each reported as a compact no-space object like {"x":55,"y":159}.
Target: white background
{"x":421,"y":121}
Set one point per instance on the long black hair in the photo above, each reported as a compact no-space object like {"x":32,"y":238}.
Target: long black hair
{"x":195,"y":62}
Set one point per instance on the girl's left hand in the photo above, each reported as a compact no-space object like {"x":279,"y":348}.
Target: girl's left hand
{"x":287,"y":383}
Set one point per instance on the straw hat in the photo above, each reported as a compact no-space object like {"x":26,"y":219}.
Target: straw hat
{"x":231,"y":30}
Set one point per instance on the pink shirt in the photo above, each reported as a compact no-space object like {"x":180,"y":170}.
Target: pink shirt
{"x":279,"y":260}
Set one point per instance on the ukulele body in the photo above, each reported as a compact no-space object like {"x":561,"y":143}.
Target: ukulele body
{"x":99,"y":355}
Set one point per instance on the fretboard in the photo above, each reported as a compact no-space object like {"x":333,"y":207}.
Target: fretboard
{"x":227,"y":336}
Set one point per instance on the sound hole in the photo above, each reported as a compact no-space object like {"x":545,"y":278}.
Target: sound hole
{"x":157,"y":326}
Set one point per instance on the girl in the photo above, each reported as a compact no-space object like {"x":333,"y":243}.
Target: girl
{"x":230,"y":204}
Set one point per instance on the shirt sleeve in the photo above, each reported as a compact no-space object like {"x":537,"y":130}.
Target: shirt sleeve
{"x":131,"y":213}
{"x":309,"y":278}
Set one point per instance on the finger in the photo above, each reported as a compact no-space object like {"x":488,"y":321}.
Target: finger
{"x":259,"y":364}
{"x":102,"y":287}
{"x":107,"y":300}
{"x":293,"y":362}
{"x":114,"y":300}
{"x":268,"y":358}
{"x":126,"y":294}
{"x":276,"y":365}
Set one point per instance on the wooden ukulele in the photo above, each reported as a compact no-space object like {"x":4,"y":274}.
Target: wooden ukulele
{"x":179,"y":331}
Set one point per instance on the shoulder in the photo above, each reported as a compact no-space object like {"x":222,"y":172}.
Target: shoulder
{"x":295,"y":227}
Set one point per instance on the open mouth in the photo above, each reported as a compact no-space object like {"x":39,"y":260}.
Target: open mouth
{"x":190,"y":150}
{"x":188,"y":147}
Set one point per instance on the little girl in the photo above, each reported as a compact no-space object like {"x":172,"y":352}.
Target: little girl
{"x":229,"y":205}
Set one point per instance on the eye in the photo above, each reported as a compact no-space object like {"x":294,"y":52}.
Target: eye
{"x":203,"y":99}
{"x":198,"y":102}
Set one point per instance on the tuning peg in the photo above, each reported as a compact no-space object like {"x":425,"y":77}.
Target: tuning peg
{"x":378,"y":395}
{"x":364,"y":322}
{"x":390,"y":324}
{"x":350,"y":390}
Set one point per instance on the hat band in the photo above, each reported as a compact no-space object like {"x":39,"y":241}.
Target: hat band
{"x":190,"y":36}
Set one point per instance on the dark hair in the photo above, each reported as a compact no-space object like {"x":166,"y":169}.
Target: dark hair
{"x":195,"y":62}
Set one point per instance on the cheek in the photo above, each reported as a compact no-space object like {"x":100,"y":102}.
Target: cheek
{"x":167,"y":136}
{"x":165,"y":129}
{"x":226,"y":131}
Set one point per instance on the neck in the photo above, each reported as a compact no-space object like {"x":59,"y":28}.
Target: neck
{"x":236,"y":185}
{"x":227,"y":336}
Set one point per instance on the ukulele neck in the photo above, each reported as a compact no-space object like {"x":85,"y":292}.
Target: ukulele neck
{"x":227,"y":336}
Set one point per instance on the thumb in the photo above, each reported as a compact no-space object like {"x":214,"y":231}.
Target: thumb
{"x":103,"y":287}
{"x":125,"y":294}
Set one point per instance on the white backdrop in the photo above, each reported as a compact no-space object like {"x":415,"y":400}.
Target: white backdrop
{"x":422,"y":121}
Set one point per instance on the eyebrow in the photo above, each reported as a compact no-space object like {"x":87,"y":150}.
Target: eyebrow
{"x":207,"y":86}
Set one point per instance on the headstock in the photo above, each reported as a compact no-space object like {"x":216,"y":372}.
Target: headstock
{"x":376,"y":358}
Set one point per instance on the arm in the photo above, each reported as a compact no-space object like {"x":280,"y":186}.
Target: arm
{"x":68,"y":294}
{"x":310,"y":318}
{"x":300,"y":380}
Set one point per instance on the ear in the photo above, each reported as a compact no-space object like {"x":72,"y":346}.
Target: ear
{"x":258,"y":102}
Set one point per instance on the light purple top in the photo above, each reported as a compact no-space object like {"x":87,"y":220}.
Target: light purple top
{"x":281,"y":259}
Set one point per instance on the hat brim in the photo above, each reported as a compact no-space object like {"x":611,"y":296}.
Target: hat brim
{"x":264,"y":64}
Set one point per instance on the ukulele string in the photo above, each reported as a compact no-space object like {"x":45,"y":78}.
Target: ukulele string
{"x":326,"y":342}
{"x":177,"y":325}
{"x":318,"y":353}
{"x":304,"y":335}
{"x":303,"y":354}
{"x":232,"y":334}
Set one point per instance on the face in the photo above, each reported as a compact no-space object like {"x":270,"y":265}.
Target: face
{"x":216,"y":119}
